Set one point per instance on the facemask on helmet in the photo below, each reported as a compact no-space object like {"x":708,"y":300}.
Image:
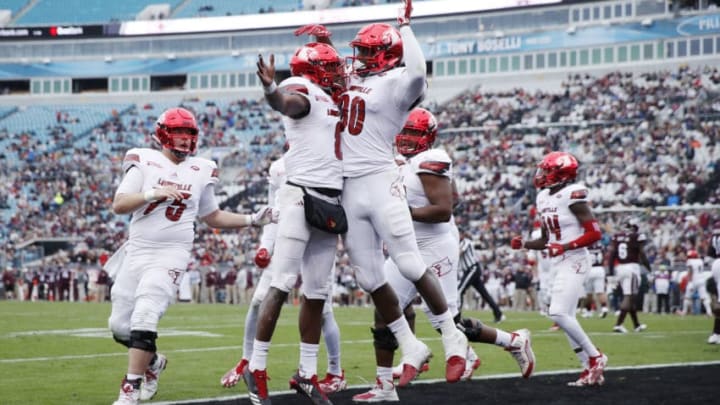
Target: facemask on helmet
{"x":177,"y":130}
{"x":321,"y":64}
{"x":418,"y":134}
{"x":376,"y":48}
{"x":556,"y":168}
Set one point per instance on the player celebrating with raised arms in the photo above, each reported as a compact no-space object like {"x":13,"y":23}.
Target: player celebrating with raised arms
{"x":568,"y":228}
{"x":165,"y":191}
{"x":311,"y":218}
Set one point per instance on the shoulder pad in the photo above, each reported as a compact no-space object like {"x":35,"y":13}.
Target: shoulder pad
{"x":433,"y":161}
{"x":133,"y":157}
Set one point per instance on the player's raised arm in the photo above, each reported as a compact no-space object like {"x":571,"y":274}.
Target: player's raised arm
{"x":288,"y":103}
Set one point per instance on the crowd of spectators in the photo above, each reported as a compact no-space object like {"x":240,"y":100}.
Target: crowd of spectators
{"x":645,"y":142}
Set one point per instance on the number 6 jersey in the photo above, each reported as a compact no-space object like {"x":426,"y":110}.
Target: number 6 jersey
{"x":165,"y":222}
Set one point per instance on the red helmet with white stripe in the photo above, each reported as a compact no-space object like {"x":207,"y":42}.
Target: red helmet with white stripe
{"x":556,"y":168}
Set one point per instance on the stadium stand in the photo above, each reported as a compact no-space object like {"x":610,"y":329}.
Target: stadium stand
{"x":646,"y":137}
{"x":48,"y":12}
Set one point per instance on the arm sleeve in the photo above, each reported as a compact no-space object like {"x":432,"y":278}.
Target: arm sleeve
{"x":208,"y":204}
{"x":132,"y":182}
{"x":413,"y":87}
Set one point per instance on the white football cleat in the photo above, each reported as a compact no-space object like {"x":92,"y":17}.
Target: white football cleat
{"x":456,"y":347}
{"x":129,"y":392}
{"x":714,"y":339}
{"x":521,"y":349}
{"x":383,"y":391}
{"x":641,"y":327}
{"x":152,"y":375}
{"x":596,"y":369}
{"x":619,"y":329}
{"x":413,"y":361}
{"x":333,"y":383}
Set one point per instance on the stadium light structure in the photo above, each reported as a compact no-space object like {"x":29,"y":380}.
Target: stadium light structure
{"x":647,"y":22}
{"x":108,"y":59}
{"x":571,"y":30}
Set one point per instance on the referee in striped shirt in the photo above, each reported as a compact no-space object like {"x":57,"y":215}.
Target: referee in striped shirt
{"x":471,"y":276}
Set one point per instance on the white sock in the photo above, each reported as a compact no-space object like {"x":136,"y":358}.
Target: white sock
{"x":250,"y":328}
{"x":308,"y":359}
{"x":503,"y":338}
{"x":258,"y":360}
{"x":131,"y":377}
{"x":384,"y":373}
{"x":401,"y":329}
{"x":331,"y":332}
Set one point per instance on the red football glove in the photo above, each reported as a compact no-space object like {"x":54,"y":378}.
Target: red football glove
{"x":318,"y":30}
{"x":262,"y":258}
{"x":405,"y":12}
{"x":555,"y":249}
{"x":516,"y":242}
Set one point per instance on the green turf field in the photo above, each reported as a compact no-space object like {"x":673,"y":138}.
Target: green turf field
{"x":62,"y":353}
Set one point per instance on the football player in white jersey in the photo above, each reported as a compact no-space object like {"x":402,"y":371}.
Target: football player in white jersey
{"x":313,"y":167}
{"x":568,"y":228}
{"x":595,"y":282}
{"x":335,"y":377}
{"x":427,"y":178}
{"x":697,"y":280}
{"x":380,"y":94}
{"x":165,"y":191}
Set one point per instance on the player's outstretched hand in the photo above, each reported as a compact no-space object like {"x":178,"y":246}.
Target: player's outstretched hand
{"x":266,"y":71}
{"x":318,"y":30}
{"x":405,"y":12}
{"x":555,"y":249}
{"x":516,"y":242}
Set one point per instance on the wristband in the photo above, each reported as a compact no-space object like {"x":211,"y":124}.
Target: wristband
{"x":270,"y":89}
{"x":149,"y":195}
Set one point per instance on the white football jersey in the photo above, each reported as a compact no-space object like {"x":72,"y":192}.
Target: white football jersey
{"x":314,"y":155}
{"x":165,"y":222}
{"x":558,"y":220}
{"x":435,"y":162}
{"x":367,"y":144}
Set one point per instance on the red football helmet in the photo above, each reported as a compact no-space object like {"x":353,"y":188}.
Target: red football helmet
{"x":321,"y":64}
{"x":418,"y":134}
{"x":556,"y":168}
{"x":692,"y":254}
{"x":165,"y":131}
{"x":376,"y":48}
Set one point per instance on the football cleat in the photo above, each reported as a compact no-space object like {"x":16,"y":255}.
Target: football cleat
{"x":470,"y":366}
{"x":333,"y":383}
{"x":456,"y":346}
{"x":152,"y":375}
{"x":256,"y":382}
{"x":234,"y":374}
{"x":582,"y":381}
{"x":619,"y":329}
{"x":129,"y":392}
{"x":521,"y":349}
{"x":413,"y":361}
{"x":554,"y":328}
{"x":641,"y":327}
{"x":604,"y":312}
{"x":383,"y":391}
{"x":309,"y":388}
{"x":714,"y":339}
{"x":397,"y":370}
{"x":596,"y":368}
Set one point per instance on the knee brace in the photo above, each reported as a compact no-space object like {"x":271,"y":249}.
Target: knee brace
{"x":121,"y":340}
{"x":384,"y":339}
{"x":472,"y":328}
{"x":143,"y":340}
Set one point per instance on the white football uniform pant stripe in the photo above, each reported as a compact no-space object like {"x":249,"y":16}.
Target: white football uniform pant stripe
{"x":377,"y":212}
{"x":145,"y":286}
{"x":300,"y":247}
{"x":441,"y":256}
